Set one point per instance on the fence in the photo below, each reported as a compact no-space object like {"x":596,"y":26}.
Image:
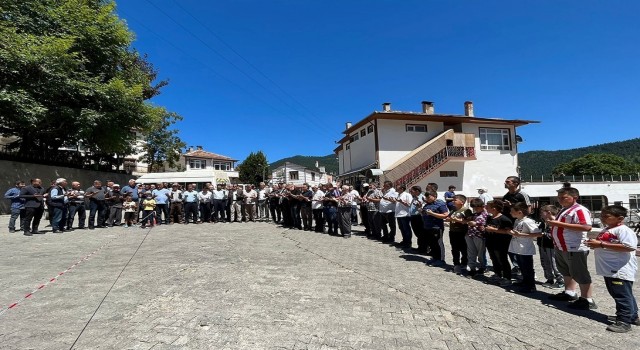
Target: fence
{"x":581,"y":178}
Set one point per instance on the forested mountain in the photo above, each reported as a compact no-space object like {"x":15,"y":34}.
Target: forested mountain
{"x":536,"y":163}
{"x":330,"y":162}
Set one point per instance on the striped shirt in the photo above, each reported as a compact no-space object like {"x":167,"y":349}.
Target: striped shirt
{"x":568,"y":240}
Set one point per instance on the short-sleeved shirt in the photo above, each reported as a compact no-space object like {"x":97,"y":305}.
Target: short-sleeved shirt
{"x":317,"y":203}
{"x":190,"y":196}
{"x":524,"y":245}
{"x":306,"y":194}
{"x":622,"y":265}
{"x":388,"y":206}
{"x":568,"y":240}
{"x":373,"y":193}
{"x":481,"y":222}
{"x":447,"y":195}
{"x":161,"y":195}
{"x":438,"y":206}
{"x":148,"y":204}
{"x":402,"y":210}
{"x":513,"y":198}
{"x":460,"y":214}
{"x":416,"y":203}
{"x":501,"y":222}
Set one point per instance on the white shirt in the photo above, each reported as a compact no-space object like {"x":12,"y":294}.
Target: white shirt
{"x":486,"y":198}
{"x":204,"y":197}
{"x":401,"y":209}
{"x":316,"y":203}
{"x":355,"y":195}
{"x":215,"y":194}
{"x":524,"y":245}
{"x":250,"y":197}
{"x":262,"y":194}
{"x":609,"y":263}
{"x":385,"y":205}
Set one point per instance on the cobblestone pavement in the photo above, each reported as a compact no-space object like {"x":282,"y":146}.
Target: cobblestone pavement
{"x":259,"y":286}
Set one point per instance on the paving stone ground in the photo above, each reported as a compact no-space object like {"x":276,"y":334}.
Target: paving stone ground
{"x":259,"y":286}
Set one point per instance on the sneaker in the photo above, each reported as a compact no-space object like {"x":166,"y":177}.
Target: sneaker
{"x":619,"y":327}
{"x":457,"y":269}
{"x":614,"y":318}
{"x":562,"y":296}
{"x":582,"y":304}
{"x":548,"y":283}
{"x":515,"y":270}
{"x":557,"y":285}
{"x":12,"y":230}
{"x":126,"y":226}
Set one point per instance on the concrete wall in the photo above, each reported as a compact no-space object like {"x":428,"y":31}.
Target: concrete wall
{"x":10,"y":172}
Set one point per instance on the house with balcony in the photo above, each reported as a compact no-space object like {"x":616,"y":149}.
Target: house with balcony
{"x":416,"y":148}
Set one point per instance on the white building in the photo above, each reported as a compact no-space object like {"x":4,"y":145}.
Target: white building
{"x":298,"y":175}
{"x":201,"y":167}
{"x":416,"y":148}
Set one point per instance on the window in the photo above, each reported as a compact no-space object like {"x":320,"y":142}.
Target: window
{"x":495,"y":139}
{"x":221,"y":166}
{"x":313,"y":176}
{"x":197,"y":164}
{"x":416,"y":128}
{"x":293,"y":175}
{"x":347,"y":146}
{"x":369,"y":129}
{"x":634,"y":201}
{"x":354,"y":137}
{"x":448,"y":174}
{"x":363,"y":133}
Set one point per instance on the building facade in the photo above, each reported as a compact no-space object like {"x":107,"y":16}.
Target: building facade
{"x":416,"y":148}
{"x":298,"y":175}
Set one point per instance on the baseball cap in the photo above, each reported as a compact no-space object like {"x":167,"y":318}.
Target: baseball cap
{"x":365,"y":185}
{"x":482,"y":189}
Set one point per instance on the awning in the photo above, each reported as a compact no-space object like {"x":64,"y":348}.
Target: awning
{"x":351,"y":172}
{"x":375,"y":172}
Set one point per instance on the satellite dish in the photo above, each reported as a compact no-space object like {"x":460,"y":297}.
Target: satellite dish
{"x":519,"y":139}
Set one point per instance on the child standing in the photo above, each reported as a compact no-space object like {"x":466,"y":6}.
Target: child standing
{"x":148,"y":213}
{"x":614,"y":250}
{"x":525,"y":230}
{"x":476,"y":248}
{"x":129,"y":207}
{"x":547,"y":250}
{"x":457,"y":232}
{"x":498,"y":239}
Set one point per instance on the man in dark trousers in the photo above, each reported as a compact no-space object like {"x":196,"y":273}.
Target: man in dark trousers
{"x":34,"y":206}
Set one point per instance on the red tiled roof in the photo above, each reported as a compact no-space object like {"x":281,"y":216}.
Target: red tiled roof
{"x":208,"y":155}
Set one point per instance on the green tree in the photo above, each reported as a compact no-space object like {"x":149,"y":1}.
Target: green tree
{"x":597,"y":164}
{"x":162,"y":144}
{"x":254,"y":168}
{"x":68,"y":75}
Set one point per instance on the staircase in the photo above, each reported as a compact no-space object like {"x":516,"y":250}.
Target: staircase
{"x":425,"y":159}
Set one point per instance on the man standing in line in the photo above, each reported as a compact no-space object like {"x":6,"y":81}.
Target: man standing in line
{"x":34,"y":206}
{"x":448,"y":197}
{"x":387,"y":212}
{"x":316,"y":207}
{"x":190,"y":198}
{"x":161,"y":196}
{"x":132,"y":189}
{"x":263,"y":206}
{"x":115,"y":206}
{"x":345,"y":202}
{"x":434,"y":212}
{"x":372,"y":200}
{"x":96,"y":195}
{"x":305,"y":207}
{"x":58,"y":200}
{"x":17,"y":206}
{"x":218,"y":203}
{"x":250,"y":202}
{"x":514,"y":195}
{"x":76,"y":205}
{"x":402,"y":214}
{"x":175,"y":198}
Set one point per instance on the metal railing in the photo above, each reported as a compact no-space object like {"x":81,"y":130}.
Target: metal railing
{"x":435,"y":162}
{"x":581,"y":178}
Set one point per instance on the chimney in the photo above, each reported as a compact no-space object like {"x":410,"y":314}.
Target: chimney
{"x":468,"y":108}
{"x":190,"y":149}
{"x":386,"y":107}
{"x":427,"y":107}
{"x":317,"y":164}
{"x":348,"y":126}
{"x":199,"y":148}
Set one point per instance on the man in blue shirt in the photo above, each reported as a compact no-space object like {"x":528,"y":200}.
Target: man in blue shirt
{"x":17,"y":205}
{"x":434,"y":212}
{"x":448,"y":197}
{"x":58,"y":200}
{"x":161,"y":195}
{"x":190,"y":198}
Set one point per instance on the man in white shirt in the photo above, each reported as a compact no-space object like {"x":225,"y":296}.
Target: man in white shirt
{"x":484,"y":196}
{"x":403,"y":204}
{"x":354,"y":205}
{"x":250,"y":202}
{"x":317,"y":208}
{"x":387,"y":212}
{"x":204,"y":200}
{"x":218,"y":203}
{"x":263,"y":211}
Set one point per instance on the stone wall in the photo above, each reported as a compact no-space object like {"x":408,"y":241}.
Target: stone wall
{"x":10,"y":172}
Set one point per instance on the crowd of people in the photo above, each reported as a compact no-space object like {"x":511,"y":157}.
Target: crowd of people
{"x":502,"y":228}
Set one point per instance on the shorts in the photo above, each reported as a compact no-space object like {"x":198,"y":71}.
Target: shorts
{"x":573,"y":264}
{"x":128,"y":216}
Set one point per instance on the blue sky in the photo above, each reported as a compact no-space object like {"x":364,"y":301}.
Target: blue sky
{"x":283,"y":76}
